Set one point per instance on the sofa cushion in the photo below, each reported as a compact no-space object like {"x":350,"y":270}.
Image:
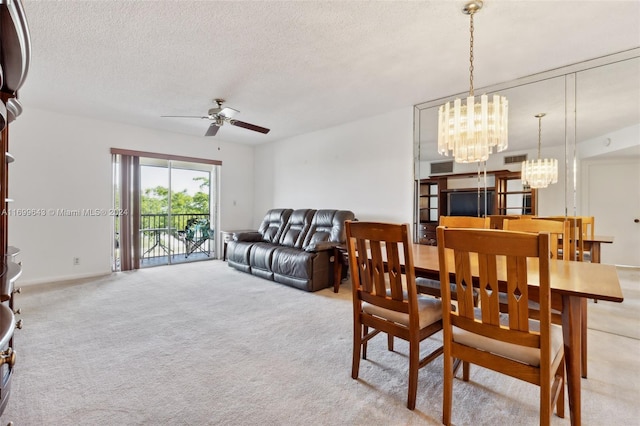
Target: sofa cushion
{"x":309,"y":271}
{"x":273,"y":224}
{"x":238,"y":255}
{"x":296,"y":228}
{"x":292,"y":262}
{"x":260,"y":258}
{"x":327,"y":226}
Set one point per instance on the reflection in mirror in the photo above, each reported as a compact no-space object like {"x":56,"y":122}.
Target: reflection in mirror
{"x":608,"y":152}
{"x":525,"y":101}
{"x":516,"y":202}
{"x":592,"y":120}
{"x":608,"y":104}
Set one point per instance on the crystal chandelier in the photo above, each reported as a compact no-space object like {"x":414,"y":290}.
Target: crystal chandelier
{"x":540,"y":173}
{"x":468,"y":129}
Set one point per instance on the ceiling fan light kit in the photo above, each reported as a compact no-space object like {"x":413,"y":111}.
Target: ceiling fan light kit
{"x":219,"y":116}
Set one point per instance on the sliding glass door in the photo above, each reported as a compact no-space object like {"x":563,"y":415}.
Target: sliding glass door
{"x":175,"y":212}
{"x":169,"y":211}
{"x":156,"y":242}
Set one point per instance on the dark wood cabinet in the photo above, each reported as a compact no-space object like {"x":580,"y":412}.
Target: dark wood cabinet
{"x":15,"y":48}
{"x":427,"y":233}
{"x":512,"y":196}
{"x":457,"y":194}
{"x":429,"y":196}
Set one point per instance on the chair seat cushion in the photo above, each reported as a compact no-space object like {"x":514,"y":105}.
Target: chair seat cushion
{"x":435,"y":285}
{"x":429,"y":311}
{"x":524,"y":354}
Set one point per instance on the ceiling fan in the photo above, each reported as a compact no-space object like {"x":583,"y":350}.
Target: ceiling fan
{"x":221,"y":115}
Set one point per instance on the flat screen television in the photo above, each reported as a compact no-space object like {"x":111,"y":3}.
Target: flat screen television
{"x":465,"y":203}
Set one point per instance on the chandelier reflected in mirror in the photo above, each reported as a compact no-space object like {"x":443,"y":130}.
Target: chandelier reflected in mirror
{"x":540,"y":173}
{"x":472,"y":130}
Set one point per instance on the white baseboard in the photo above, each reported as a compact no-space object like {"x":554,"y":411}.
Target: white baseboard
{"x":57,"y":280}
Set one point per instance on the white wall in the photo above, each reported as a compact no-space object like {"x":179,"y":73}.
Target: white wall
{"x":63,"y":162}
{"x":364,"y":166}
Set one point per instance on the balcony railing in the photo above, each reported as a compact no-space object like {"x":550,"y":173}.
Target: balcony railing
{"x":164,"y":237}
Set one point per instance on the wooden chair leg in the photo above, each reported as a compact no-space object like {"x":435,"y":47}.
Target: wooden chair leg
{"x":583,"y":337}
{"x":390,"y":342}
{"x":546,"y":401}
{"x":365,"y":331}
{"x":560,"y":401}
{"x":465,"y":371}
{"x":357,"y":346}
{"x":447,"y":392}
{"x":414,"y":365}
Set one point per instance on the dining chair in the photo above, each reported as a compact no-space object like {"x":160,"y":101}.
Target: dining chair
{"x":432,"y":287}
{"x":509,"y":343}
{"x":465,"y":222}
{"x":496,"y":221}
{"x":558,"y":232}
{"x":385,"y":298}
{"x":573,"y":244}
{"x":576,"y":240}
{"x":588,"y":231}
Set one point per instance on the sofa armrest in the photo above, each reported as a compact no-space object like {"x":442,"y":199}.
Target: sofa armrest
{"x":253,"y":236}
{"x":321,"y":246}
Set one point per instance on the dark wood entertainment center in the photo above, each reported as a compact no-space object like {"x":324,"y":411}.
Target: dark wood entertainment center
{"x":15,"y":55}
{"x":505,"y":196}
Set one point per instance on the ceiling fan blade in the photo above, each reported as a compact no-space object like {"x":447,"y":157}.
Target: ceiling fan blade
{"x":212,"y":130}
{"x":249,"y":126}
{"x":184,"y":116}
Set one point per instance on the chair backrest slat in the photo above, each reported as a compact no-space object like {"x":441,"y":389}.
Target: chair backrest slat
{"x":376,"y":268}
{"x":518,"y":292}
{"x":464,"y":284}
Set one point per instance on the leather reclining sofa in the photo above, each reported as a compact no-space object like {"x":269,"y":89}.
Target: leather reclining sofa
{"x":292,"y":247}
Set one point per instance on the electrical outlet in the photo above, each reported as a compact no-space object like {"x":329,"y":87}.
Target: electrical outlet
{"x":76,"y":260}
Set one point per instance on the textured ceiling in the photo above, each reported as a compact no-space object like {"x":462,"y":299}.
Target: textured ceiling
{"x":296,"y":66}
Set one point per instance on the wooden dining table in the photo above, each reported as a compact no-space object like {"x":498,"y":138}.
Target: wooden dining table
{"x":593,"y":245}
{"x":571,"y":283}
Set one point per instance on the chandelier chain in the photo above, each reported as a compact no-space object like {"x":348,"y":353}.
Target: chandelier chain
{"x":471,"y":53}
{"x":539,"y":134}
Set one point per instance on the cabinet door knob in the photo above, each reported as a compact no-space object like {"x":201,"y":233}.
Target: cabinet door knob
{"x":636,"y":220}
{"x":8,"y":357}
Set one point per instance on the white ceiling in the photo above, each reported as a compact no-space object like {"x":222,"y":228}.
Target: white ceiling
{"x":296,"y":66}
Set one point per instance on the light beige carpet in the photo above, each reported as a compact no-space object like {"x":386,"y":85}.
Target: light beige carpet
{"x":203,"y":344}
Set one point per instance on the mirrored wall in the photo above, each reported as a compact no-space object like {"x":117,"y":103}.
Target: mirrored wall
{"x":592,"y":112}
